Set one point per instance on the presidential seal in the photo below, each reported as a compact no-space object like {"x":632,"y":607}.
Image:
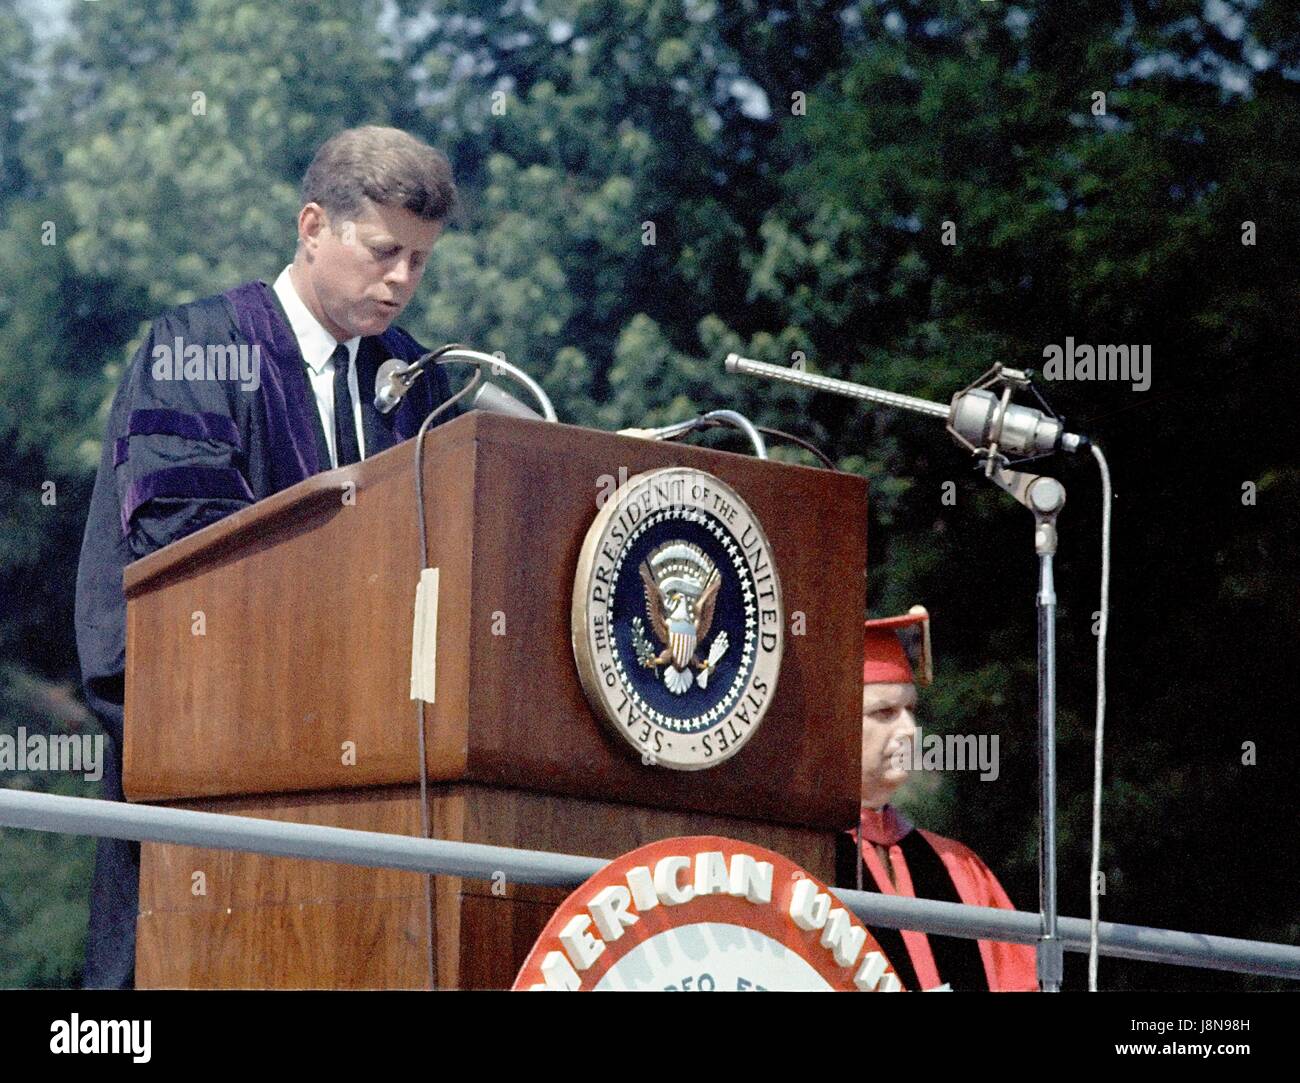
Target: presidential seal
{"x":677,"y":618}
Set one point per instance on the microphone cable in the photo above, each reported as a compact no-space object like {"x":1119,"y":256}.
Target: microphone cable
{"x":425,"y":829}
{"x":1094,"y":901}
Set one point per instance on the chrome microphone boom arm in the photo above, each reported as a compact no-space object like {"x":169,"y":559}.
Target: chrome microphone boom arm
{"x":982,"y":421}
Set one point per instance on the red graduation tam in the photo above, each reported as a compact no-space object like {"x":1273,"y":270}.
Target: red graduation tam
{"x":884,"y":659}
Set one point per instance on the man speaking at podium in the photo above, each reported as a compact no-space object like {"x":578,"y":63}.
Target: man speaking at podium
{"x":235,"y":397}
{"x":900,"y":859}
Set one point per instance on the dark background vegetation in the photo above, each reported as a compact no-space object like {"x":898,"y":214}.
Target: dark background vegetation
{"x":776,"y":230}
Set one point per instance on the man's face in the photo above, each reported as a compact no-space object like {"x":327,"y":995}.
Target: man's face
{"x":362,"y":272}
{"x":888,"y":729}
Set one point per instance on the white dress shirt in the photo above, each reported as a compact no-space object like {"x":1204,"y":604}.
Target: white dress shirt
{"x":317,"y":348}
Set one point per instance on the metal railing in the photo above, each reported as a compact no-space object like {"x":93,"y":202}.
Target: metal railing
{"x":473,"y":861}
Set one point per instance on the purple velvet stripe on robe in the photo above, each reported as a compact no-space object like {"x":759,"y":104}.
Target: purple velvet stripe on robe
{"x":290,"y":436}
{"x":163,"y":422}
{"x":186,"y":482}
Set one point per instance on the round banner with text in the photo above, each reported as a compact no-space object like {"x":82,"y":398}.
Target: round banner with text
{"x":705,"y":914}
{"x":677,"y":618}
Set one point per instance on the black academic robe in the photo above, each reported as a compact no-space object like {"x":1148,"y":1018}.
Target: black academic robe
{"x":185,"y":446}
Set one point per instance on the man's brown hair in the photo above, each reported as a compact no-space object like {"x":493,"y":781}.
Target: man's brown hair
{"x":384,"y":165}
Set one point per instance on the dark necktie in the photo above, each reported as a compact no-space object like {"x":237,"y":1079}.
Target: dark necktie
{"x":345,"y":428}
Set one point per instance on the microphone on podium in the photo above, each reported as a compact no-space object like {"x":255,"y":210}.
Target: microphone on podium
{"x":497,"y":400}
{"x":394,"y":379}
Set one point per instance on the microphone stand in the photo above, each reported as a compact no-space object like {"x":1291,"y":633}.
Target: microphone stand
{"x":996,"y":423}
{"x":1044,"y":497}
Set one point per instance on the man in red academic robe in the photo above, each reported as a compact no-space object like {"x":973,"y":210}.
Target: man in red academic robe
{"x":898,"y":858}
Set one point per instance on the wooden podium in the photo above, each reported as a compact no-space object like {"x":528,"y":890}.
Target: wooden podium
{"x":269,"y":674}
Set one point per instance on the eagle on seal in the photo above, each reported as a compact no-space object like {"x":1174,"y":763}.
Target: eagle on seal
{"x":681,"y":591}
